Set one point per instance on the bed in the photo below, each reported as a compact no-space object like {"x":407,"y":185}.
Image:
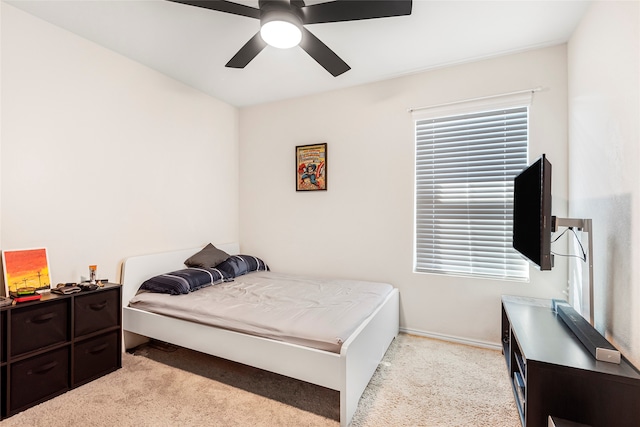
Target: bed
{"x":346,"y":369}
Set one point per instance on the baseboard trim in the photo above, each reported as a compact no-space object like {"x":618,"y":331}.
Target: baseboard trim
{"x":451,"y":338}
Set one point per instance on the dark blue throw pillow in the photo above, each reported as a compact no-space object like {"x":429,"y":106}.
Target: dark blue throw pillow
{"x":237,"y":265}
{"x":185,"y":281}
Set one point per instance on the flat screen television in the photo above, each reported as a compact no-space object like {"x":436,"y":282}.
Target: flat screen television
{"x":532,"y":221}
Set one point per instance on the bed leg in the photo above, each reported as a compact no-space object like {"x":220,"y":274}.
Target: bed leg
{"x":346,"y":412}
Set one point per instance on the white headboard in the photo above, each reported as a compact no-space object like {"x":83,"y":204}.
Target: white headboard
{"x":137,"y":269}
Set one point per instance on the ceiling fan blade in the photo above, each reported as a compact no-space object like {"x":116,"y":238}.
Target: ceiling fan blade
{"x":322,"y":54}
{"x":353,"y":10}
{"x":223,"y":6}
{"x":247,"y":52}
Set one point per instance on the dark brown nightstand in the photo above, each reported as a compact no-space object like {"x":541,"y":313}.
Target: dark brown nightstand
{"x":58,"y":343}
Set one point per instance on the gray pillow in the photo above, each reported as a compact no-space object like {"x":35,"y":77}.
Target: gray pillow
{"x":208,"y":257}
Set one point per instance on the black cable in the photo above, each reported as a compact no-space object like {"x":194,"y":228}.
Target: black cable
{"x":570,"y":256}
{"x":584,"y":255}
{"x":559,"y":236}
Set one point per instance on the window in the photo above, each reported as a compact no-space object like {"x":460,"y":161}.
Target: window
{"x":467,"y":155}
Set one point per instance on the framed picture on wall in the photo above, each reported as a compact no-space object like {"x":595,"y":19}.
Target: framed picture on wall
{"x":25,"y":270}
{"x":311,"y":167}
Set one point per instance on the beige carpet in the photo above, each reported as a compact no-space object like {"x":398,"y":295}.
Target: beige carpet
{"x":420,"y":382}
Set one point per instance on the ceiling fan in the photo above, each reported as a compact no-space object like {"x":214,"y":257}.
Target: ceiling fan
{"x":281,"y":17}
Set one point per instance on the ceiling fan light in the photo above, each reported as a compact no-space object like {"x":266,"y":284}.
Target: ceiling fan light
{"x":281,"y":31}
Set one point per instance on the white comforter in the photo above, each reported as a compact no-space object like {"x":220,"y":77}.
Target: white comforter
{"x":318,"y":313}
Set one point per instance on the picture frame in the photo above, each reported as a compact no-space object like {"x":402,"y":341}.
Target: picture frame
{"x":25,"y":268}
{"x":311,"y":167}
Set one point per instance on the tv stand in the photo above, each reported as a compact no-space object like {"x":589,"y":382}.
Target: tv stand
{"x":553,"y":374}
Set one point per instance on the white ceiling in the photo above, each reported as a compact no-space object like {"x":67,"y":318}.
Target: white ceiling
{"x":193,"y":44}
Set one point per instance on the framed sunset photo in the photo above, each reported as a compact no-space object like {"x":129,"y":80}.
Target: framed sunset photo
{"x":25,"y":270}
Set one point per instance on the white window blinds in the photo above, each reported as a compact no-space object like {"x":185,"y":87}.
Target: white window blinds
{"x":465,"y":165}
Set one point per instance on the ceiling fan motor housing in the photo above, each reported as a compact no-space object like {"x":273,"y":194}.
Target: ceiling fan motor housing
{"x":280,"y":10}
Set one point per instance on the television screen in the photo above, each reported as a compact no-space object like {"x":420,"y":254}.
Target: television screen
{"x":532,"y":213}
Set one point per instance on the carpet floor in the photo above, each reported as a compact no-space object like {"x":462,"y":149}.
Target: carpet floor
{"x":420,"y":382}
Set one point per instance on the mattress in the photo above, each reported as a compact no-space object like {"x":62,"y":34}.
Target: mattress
{"x":313,"y":312}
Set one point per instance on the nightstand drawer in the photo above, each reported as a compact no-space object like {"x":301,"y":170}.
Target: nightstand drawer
{"x":96,"y":357}
{"x":96,"y":311}
{"x":38,"y":326}
{"x":39,"y":378}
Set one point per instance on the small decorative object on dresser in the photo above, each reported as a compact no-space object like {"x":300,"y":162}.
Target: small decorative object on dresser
{"x":311,"y":167}
{"x":93,"y":274}
{"x":25,"y":269}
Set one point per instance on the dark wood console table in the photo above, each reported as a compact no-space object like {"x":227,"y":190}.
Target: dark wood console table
{"x":553,"y":374}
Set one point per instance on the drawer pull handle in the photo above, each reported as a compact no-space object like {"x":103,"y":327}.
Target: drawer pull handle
{"x":98,"y":306}
{"x":43,"y":318}
{"x":43,"y":369}
{"x":99,"y":348}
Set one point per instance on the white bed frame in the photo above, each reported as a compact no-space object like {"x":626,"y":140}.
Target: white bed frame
{"x":348,"y":372}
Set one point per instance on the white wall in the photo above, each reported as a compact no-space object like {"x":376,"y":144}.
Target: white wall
{"x":604,"y":105}
{"x":362,"y":226}
{"x":68,"y":105}
{"x":103,"y":158}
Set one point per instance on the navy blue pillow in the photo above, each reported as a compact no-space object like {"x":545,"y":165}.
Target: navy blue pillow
{"x":185,"y":281}
{"x":237,"y":265}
